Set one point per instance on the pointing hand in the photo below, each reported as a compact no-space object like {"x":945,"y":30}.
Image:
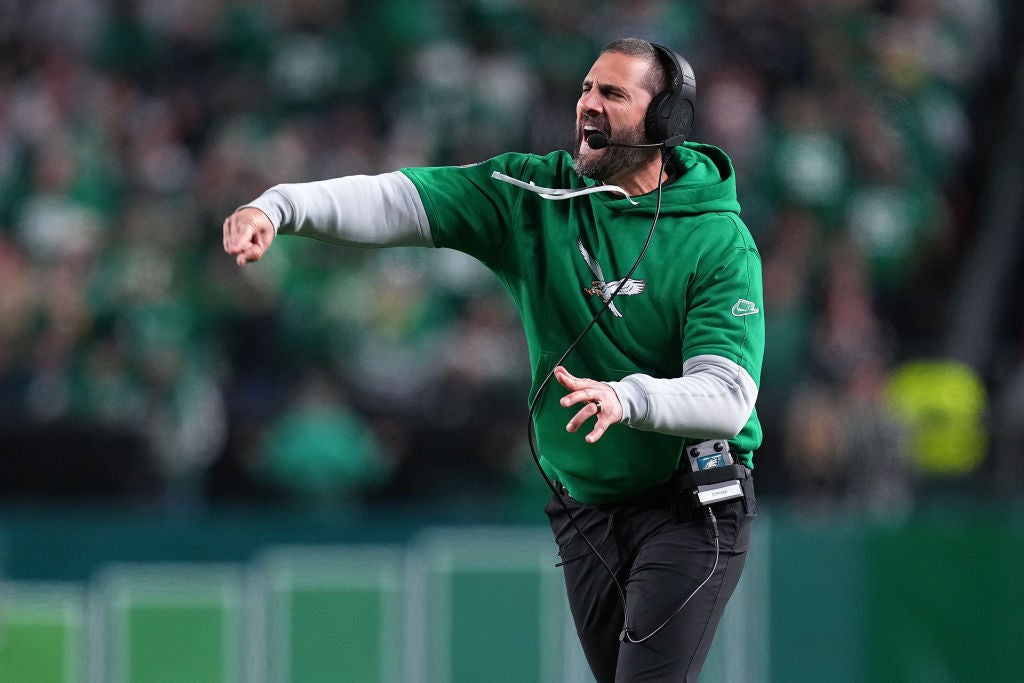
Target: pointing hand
{"x":248,"y":233}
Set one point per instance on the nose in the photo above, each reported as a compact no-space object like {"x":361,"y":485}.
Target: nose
{"x":590,"y":102}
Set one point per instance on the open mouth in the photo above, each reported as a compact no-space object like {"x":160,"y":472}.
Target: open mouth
{"x":589,"y":130}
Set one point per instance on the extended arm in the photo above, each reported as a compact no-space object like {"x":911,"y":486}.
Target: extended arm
{"x":359,"y":211}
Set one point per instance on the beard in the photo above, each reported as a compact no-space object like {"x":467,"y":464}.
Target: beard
{"x":614,"y":159}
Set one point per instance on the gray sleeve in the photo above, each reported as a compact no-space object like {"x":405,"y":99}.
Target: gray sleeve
{"x":357,"y":211}
{"x":712,"y":400}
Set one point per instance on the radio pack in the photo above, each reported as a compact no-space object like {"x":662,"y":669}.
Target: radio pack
{"x":705,"y":457}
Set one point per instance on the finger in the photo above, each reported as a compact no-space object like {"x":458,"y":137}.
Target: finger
{"x":585,"y":413}
{"x":584,"y":396}
{"x":238,"y":234}
{"x":227,"y":242}
{"x":251,"y":253}
{"x":566,"y":379}
{"x":597,"y":432}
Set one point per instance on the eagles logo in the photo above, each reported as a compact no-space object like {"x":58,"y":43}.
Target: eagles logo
{"x":605,"y":290}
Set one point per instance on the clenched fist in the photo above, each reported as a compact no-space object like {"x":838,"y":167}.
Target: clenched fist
{"x":248,"y":233}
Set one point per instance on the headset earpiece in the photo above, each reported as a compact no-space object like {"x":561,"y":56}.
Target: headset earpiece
{"x":669,"y":117}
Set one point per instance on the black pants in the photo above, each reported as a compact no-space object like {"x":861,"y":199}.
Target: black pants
{"x":660,"y":554}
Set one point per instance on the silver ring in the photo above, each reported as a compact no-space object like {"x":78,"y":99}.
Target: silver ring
{"x":597,"y":404}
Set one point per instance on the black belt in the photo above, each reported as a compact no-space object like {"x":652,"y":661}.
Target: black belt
{"x":678,"y":492}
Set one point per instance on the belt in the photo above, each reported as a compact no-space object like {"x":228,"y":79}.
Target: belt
{"x":677,"y":493}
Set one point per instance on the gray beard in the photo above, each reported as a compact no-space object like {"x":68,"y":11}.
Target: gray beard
{"x":615,"y":159}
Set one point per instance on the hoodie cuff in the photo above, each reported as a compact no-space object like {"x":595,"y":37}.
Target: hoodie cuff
{"x":274,"y":204}
{"x":633,"y":400}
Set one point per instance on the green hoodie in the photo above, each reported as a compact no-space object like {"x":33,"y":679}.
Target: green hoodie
{"x":701,"y":280}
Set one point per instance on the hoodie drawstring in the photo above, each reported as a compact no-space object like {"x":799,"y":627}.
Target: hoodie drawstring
{"x":550,"y":193}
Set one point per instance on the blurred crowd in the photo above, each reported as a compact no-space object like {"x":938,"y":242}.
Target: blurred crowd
{"x":137,"y":361}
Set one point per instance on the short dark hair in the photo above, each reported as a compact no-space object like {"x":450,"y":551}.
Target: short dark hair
{"x":656,"y":80}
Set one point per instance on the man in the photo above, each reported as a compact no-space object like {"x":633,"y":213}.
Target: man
{"x":658,"y":350}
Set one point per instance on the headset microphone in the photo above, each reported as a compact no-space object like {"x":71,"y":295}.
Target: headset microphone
{"x":600,"y":141}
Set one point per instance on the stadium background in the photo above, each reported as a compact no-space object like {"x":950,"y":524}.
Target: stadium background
{"x":343,"y":432}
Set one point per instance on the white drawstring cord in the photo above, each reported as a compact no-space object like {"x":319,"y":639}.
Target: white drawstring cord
{"x":550,"y":193}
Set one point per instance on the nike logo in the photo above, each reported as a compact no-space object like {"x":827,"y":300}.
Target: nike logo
{"x":744,"y":307}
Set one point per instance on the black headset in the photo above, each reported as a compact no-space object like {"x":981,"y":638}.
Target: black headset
{"x":669,"y":116}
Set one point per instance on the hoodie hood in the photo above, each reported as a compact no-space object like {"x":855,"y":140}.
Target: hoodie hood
{"x":703,"y":181}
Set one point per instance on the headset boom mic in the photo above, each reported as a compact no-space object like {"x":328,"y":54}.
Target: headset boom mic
{"x":597,"y":140}
{"x":600,"y":141}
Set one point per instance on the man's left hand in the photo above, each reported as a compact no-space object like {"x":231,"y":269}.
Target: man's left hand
{"x":598,"y":399}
